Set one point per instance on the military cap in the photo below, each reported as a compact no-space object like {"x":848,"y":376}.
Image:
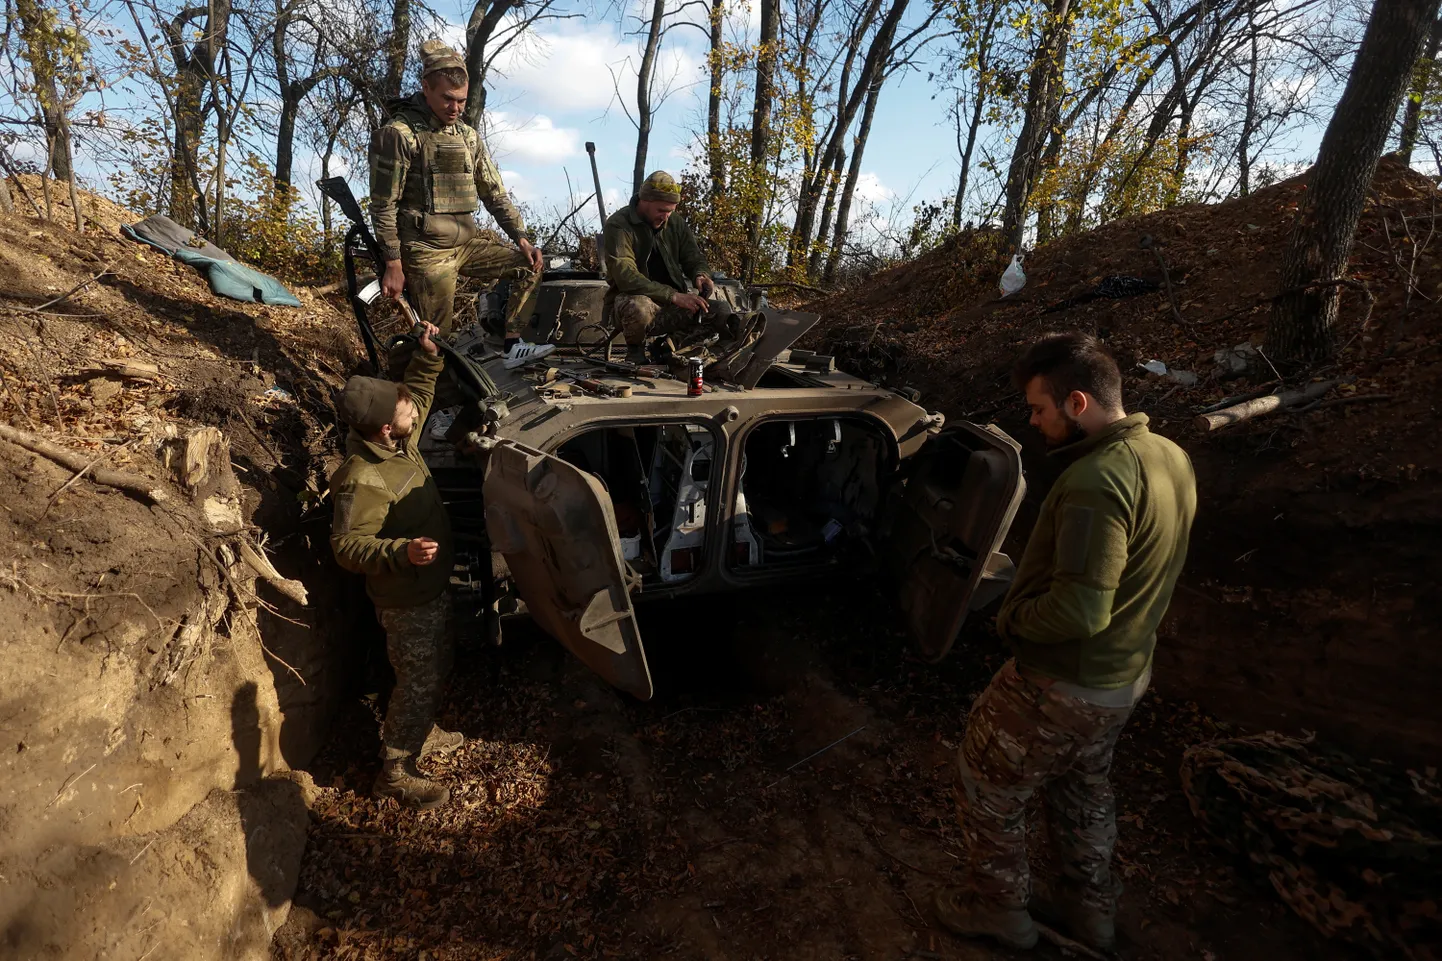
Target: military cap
{"x":661,"y":186}
{"x":368,"y":403}
{"x":436,"y":55}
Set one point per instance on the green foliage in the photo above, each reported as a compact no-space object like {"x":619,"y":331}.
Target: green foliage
{"x":57,"y":53}
{"x":270,"y":229}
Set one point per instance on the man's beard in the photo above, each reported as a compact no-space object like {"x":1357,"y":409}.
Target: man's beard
{"x":1074,"y":433}
{"x":398,"y":434}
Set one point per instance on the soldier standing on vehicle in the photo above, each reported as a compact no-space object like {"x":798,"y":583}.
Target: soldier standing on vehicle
{"x":1081,"y":617}
{"x":391,"y":525}
{"x":429,"y":172}
{"x":651,"y":259}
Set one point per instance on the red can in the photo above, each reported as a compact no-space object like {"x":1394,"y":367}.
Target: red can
{"x":695,"y":385}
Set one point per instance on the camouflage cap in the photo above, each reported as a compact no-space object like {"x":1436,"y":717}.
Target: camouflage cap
{"x":661,"y":186}
{"x":436,"y":55}
{"x":368,"y":403}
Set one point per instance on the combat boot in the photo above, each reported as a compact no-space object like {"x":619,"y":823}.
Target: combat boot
{"x":966,"y":914}
{"x":1078,"y":917}
{"x":400,"y":779}
{"x":442,"y":742}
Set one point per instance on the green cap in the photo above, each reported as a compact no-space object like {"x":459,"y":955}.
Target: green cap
{"x":661,"y":186}
{"x":435,"y":55}
{"x":368,"y":403}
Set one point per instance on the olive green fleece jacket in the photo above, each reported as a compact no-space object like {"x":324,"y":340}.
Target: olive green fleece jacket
{"x":629,"y":241}
{"x":384,"y":497}
{"x":1103,"y":559}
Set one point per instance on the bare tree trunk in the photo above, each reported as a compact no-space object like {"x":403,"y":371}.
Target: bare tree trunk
{"x":823,"y":171}
{"x":1422,"y":77}
{"x":828,"y":209}
{"x":761,"y":123}
{"x":1046,"y":215}
{"x":1304,"y":314}
{"x":853,"y":174}
{"x":52,"y":113}
{"x":1042,"y":95}
{"x":1184,"y":150}
{"x":485,"y":18}
{"x":285,"y":139}
{"x":1249,"y":119}
{"x":715,"y":155}
{"x":6,"y":204}
{"x":967,"y":151}
{"x":643,"y":93}
{"x":195,"y":65}
{"x":398,"y":48}
{"x":67,"y":148}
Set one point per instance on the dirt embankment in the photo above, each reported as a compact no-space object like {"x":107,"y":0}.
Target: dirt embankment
{"x":154,"y":693}
{"x":1307,"y":601}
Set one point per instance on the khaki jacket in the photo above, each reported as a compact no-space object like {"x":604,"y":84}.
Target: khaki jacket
{"x":1098,"y":573}
{"x":384,"y":497}
{"x":433,"y":202}
{"x":629,"y":241}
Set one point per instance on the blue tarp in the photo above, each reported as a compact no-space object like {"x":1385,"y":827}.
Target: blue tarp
{"x":227,"y":276}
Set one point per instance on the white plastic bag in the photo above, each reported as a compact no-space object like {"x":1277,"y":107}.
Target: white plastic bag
{"x":1012,"y":279}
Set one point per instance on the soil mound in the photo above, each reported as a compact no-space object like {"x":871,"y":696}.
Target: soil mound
{"x":1305,"y":601}
{"x":162,"y":454}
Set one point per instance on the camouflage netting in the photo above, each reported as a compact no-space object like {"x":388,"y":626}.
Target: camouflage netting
{"x":1354,"y":847}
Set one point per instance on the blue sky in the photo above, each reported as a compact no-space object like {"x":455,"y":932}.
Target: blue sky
{"x":555,"y":91}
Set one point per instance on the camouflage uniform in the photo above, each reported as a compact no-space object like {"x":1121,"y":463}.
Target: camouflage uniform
{"x":1028,"y":734}
{"x":427,"y":179}
{"x":636,"y":299}
{"x":384,"y":497}
{"x":1081,"y":614}
{"x":418,"y":642}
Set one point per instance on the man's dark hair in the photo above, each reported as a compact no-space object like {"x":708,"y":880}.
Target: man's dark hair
{"x":451,"y":76}
{"x":1069,"y":362}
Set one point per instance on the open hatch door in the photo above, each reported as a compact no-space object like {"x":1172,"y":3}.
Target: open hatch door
{"x":945,"y":529}
{"x":555,"y":525}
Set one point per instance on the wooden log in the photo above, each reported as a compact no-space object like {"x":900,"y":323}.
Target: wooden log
{"x":130,"y":483}
{"x":1262,"y":405}
{"x":129,"y":369}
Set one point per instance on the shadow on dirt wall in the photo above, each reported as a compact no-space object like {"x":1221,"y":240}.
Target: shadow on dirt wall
{"x":274,"y":820}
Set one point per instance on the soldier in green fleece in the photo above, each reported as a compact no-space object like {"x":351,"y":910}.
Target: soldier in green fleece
{"x":1081,"y":617}
{"x":391,"y":525}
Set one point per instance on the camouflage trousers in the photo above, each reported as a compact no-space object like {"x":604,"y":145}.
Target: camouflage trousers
{"x":431,"y":275}
{"x":640,"y":317}
{"x":1023,"y":736}
{"x":418,"y":642}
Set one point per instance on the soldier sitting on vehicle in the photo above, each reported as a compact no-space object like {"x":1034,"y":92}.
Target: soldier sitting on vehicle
{"x":429,"y":170}
{"x":651,"y":259}
{"x":391,"y":525}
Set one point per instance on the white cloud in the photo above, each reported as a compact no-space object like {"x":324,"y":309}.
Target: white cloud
{"x":568,"y":69}
{"x":518,"y":186}
{"x":572,"y":67}
{"x":870,"y":189}
{"x":530,"y":140}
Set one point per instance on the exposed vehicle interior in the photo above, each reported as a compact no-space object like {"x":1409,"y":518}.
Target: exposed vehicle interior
{"x":657,"y":476}
{"x":810,"y":490}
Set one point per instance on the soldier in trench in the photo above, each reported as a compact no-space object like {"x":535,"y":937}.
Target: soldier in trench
{"x":391,"y":525}
{"x":1081,"y":617}
{"x":429,"y":173}
{"x":652,"y":259}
